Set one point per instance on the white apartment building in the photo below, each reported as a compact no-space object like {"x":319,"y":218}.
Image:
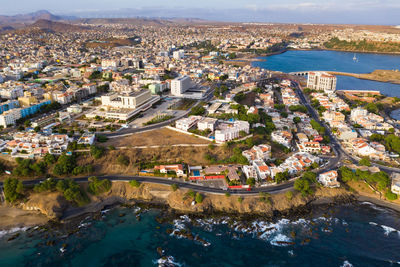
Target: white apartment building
{"x":282,"y":137}
{"x":321,"y":81}
{"x":207,"y":123}
{"x":357,"y":113}
{"x":178,"y":54}
{"x":186,"y":123}
{"x":232,"y":131}
{"x":10,"y":117}
{"x":12,"y":93}
{"x":260,"y":152}
{"x":261,"y":169}
{"x":180,"y":85}
{"x":74,"y":109}
{"x":249,"y":171}
{"x":310,"y":147}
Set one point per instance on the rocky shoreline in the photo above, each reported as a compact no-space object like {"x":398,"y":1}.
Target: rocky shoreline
{"x":173,"y":204}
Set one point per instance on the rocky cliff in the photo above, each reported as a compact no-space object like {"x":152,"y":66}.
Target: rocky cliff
{"x":54,"y":205}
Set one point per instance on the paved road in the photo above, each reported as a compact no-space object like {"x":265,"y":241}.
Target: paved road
{"x":129,"y":131}
{"x":188,"y":185}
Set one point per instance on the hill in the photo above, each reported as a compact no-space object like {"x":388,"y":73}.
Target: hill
{"x":55,"y":26}
{"x":29,"y":18}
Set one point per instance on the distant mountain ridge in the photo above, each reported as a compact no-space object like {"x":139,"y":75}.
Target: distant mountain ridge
{"x":30,"y":17}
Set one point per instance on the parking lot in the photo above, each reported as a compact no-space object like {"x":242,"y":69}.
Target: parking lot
{"x":215,"y":183}
{"x":161,"y":109}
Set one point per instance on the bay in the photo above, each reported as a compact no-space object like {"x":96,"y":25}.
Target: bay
{"x":296,"y":60}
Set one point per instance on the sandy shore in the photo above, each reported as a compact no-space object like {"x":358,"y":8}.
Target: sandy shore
{"x":12,"y":217}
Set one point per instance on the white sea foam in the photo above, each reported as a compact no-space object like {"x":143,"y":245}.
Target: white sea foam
{"x":276,"y":241}
{"x":84,"y":225}
{"x":372,"y":205}
{"x":105,"y":211}
{"x":167,"y":261}
{"x":347,"y":264}
{"x":389,"y":230}
{"x":12,"y":230}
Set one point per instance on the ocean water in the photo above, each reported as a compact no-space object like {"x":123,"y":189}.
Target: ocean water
{"x":293,"y":61}
{"x":346,"y":235}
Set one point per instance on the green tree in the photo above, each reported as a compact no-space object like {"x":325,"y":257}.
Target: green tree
{"x":390,"y":195}
{"x":174,"y":187}
{"x":65,"y":165}
{"x":13,"y":189}
{"x":199,"y":198}
{"x":190,"y":193}
{"x":282,"y":176}
{"x":96,"y":151}
{"x":303,"y":186}
{"x":123,"y":160}
{"x":134,"y":183}
{"x":346,"y":174}
{"x":372,"y":107}
{"x":240,"y":199}
{"x":251,"y":181}
{"x":289,"y":195}
{"x":45,"y":186}
{"x":310,"y":177}
{"x":265,"y":197}
{"x":97,"y":186}
{"x":49,"y":159}
{"x":365,"y":162}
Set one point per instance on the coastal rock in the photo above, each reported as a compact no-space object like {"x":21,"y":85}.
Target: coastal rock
{"x":50,"y":204}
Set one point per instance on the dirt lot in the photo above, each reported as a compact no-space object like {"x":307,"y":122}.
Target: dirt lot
{"x":191,"y":155}
{"x":158,"y":137}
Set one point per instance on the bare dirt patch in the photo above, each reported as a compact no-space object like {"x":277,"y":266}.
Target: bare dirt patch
{"x":160,"y":137}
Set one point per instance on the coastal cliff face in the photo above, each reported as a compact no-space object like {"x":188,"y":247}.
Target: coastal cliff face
{"x":54,"y":204}
{"x":50,"y":204}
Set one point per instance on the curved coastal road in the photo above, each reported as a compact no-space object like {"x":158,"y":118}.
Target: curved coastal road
{"x":188,"y":185}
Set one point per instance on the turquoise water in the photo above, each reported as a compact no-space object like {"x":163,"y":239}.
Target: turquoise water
{"x":361,"y":235}
{"x":294,"y":61}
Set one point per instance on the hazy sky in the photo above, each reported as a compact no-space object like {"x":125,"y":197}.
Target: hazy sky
{"x":314,"y":11}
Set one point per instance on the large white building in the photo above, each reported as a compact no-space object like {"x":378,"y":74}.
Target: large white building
{"x":321,"y":81}
{"x":178,"y":54}
{"x":109,"y":64}
{"x":232,"y":131}
{"x":186,"y":123}
{"x":207,"y":123}
{"x":180,"y":85}
{"x":10,"y":117}
{"x":130,"y":100}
